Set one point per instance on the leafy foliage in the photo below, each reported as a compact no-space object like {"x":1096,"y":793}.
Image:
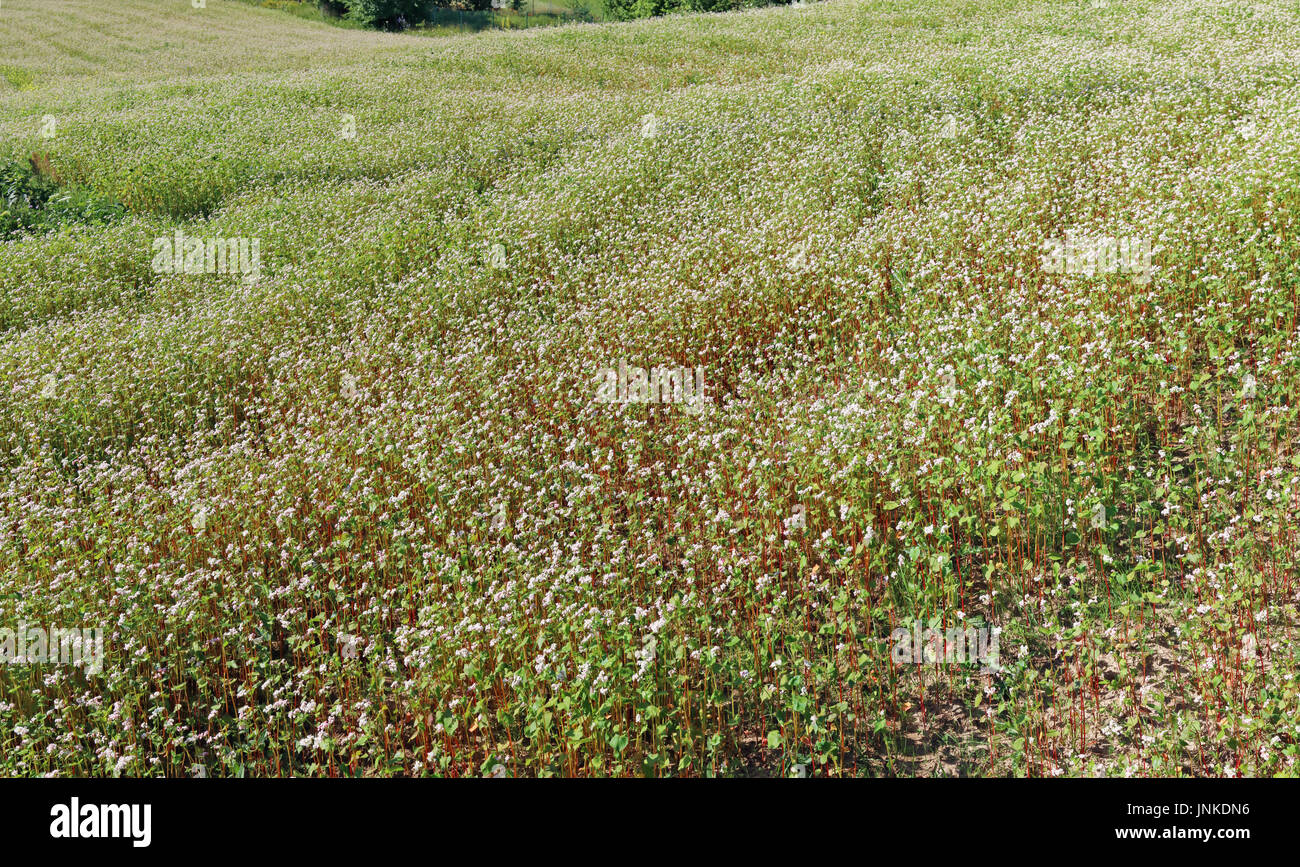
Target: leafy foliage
{"x":387,"y":14}
{"x":32,"y":201}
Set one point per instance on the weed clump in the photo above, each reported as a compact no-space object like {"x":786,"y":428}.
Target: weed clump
{"x":33,"y":201}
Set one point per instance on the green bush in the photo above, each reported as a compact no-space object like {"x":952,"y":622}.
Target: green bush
{"x":388,"y":14}
{"x":31,"y":201}
{"x":625,"y":10}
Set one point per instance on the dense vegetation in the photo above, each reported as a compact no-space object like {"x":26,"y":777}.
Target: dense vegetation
{"x":31,"y":200}
{"x":395,"y":14}
{"x":366,"y":516}
{"x":400,"y":14}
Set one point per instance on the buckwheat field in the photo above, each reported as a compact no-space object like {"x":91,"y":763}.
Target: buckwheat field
{"x":651,"y":399}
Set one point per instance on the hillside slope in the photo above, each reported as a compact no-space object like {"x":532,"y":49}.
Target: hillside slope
{"x":367,"y":513}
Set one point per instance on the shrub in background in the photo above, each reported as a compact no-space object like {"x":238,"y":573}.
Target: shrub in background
{"x":388,"y":14}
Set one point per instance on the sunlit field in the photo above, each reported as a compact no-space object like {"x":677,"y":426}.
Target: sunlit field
{"x":982,"y":318}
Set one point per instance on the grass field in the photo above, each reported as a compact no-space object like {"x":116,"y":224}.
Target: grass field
{"x":362,"y":509}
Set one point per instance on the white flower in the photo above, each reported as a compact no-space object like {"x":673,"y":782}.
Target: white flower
{"x":1098,"y":520}
{"x":348,"y":387}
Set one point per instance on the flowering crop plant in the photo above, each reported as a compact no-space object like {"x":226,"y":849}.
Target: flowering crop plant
{"x":849,"y":388}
